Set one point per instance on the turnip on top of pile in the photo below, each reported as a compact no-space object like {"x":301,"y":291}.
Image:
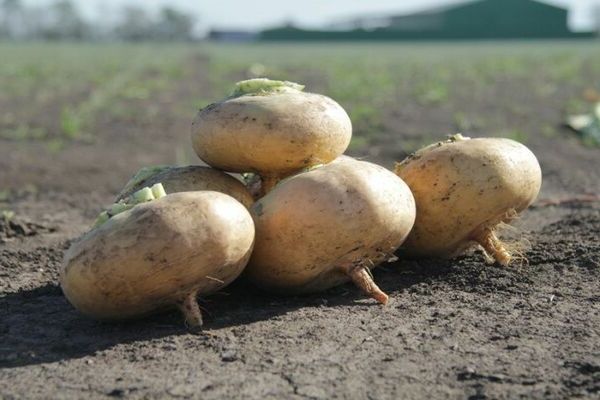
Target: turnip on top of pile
{"x":464,"y":188}
{"x":271,"y":128}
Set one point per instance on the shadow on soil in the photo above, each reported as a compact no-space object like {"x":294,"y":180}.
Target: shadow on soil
{"x":40,"y":326}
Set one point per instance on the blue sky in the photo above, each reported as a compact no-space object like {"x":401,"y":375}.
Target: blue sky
{"x":253,"y":14}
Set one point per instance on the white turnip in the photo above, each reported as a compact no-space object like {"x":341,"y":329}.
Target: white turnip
{"x":464,"y":188}
{"x":329,"y":225}
{"x":157,"y":254}
{"x":272,"y":128}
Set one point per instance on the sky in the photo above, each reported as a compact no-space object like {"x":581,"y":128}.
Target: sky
{"x":256,"y":14}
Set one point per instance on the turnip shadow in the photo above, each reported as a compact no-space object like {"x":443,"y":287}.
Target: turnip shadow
{"x":469,"y":273}
{"x":39,"y":325}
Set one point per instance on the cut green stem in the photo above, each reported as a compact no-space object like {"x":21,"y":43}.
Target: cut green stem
{"x":141,"y":196}
{"x":260,"y":86}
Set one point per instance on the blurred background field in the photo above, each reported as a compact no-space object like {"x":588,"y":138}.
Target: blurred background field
{"x":63,"y":98}
{"x":86,"y":86}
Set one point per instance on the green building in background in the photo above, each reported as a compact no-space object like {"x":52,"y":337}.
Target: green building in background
{"x":482,"y":19}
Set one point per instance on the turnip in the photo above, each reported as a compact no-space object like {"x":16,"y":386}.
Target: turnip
{"x":329,"y":225}
{"x":187,"y":179}
{"x":157,"y":254}
{"x":271,"y":128}
{"x":464,"y":188}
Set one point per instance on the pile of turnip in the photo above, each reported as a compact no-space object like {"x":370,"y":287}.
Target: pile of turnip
{"x":302,"y":218}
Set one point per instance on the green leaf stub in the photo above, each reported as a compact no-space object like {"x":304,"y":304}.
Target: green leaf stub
{"x":262,"y":86}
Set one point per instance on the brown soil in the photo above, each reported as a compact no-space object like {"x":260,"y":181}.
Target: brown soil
{"x":459,"y":329}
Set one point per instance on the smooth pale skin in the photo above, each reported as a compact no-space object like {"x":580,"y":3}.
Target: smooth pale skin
{"x":321,"y":228}
{"x":159,"y":254}
{"x":463,"y":190}
{"x":191,"y":178}
{"x":272,"y":134}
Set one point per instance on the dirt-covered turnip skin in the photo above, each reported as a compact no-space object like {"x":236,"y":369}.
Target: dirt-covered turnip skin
{"x":159,"y":254}
{"x":188,"y":179}
{"x":463,"y":189}
{"x":323,"y":227}
{"x":271,"y":132}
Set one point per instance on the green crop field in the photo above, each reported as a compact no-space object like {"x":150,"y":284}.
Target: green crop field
{"x":57,"y":93}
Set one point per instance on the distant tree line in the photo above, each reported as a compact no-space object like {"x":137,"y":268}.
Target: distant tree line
{"x":61,"y":20}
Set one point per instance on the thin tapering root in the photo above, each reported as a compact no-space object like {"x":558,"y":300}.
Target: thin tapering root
{"x":191,"y":311}
{"x":362,"y":278}
{"x":494,"y":247}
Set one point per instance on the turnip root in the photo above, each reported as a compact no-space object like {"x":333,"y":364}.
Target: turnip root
{"x":271,"y":128}
{"x":187,"y":179}
{"x":464,"y":188}
{"x":158,"y":254}
{"x":332,"y":224}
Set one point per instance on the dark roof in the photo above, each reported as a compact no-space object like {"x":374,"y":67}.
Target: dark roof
{"x":442,"y":8}
{"x":447,"y":7}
